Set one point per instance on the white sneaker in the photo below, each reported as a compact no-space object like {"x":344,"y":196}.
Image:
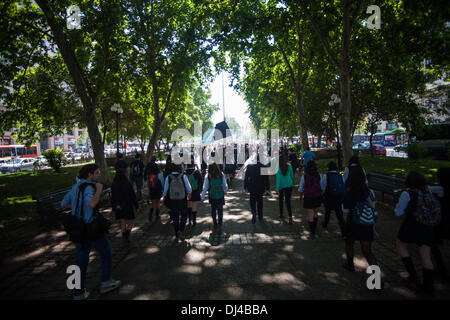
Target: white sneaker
{"x":109,"y":285}
{"x":82,"y":296}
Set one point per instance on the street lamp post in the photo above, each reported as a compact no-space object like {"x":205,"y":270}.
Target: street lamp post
{"x":118,"y":110}
{"x":335,"y":100}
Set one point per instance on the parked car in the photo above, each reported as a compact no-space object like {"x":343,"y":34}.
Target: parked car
{"x":401,"y":147}
{"x":17,"y":165}
{"x":378,"y":149}
{"x":360,"y":146}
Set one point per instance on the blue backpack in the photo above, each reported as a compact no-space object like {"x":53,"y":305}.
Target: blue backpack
{"x":335,"y":186}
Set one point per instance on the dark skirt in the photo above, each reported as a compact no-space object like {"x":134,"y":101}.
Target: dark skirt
{"x":413,"y":232}
{"x":155,"y":194}
{"x":127,"y":214}
{"x":217,"y":202}
{"x":312,"y":203}
{"x":357,"y":232}
{"x":195,"y":196}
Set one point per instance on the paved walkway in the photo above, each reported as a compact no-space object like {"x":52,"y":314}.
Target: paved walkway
{"x":268,"y":260}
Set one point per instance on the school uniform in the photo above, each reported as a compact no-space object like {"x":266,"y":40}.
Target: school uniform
{"x":411,"y":231}
{"x":178,"y":208}
{"x":355,"y":231}
{"x":284,"y":184}
{"x":442,"y":231}
{"x":310,"y":202}
{"x":256,"y":184}
{"x":196,"y":194}
{"x":155,"y":193}
{"x":216,"y":204}
{"x":332,"y":202}
{"x":123,"y":200}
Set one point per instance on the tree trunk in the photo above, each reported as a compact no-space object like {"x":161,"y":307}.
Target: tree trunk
{"x":346,"y":107}
{"x":153,"y":140}
{"x":319,"y":140}
{"x":85,"y":92}
{"x":301,"y":112}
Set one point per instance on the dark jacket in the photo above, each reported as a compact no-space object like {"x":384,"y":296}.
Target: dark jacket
{"x":124,"y":196}
{"x":140,"y":164}
{"x":254,"y":182}
{"x":148,"y":169}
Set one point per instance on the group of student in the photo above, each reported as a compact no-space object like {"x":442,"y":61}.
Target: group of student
{"x":182,"y":187}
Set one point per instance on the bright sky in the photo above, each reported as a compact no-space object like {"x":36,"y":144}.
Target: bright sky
{"x":235,"y":106}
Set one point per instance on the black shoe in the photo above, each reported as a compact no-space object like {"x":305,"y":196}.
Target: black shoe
{"x":253,"y":220}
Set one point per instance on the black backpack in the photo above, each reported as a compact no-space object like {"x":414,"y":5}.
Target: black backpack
{"x":77,"y":229}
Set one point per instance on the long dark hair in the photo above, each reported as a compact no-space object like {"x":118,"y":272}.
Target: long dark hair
{"x":283,"y":164}
{"x":311,"y":169}
{"x":353,"y":160}
{"x":120,"y":177}
{"x":416,"y":180}
{"x":154,"y":169}
{"x":214,"y":171}
{"x":356,"y":178}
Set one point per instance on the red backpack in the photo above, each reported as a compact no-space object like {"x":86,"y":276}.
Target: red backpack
{"x":152,"y":180}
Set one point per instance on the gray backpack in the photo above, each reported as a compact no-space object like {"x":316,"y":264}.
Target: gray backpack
{"x":177,"y":188}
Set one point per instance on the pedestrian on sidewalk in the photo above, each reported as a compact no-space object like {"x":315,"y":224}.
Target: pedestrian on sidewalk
{"x":215,"y":184}
{"x":293,"y":159}
{"x":307,"y":156}
{"x":352,"y":163}
{"x":412,"y":204}
{"x":357,"y":192}
{"x":120,"y":163}
{"x":256,"y":183}
{"x":442,"y":232}
{"x":177,"y":191}
{"x":284,"y":184}
{"x":124,"y":203}
{"x":83,"y":199}
{"x":196,"y":181}
{"x":310,"y":189}
{"x":155,"y":184}
{"x":334,"y":193}
{"x":137,"y":175}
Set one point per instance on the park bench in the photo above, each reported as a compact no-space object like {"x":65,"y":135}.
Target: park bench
{"x":385,"y":183}
{"x":49,"y":204}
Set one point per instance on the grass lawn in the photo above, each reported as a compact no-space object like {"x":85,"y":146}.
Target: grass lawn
{"x":396,"y":166}
{"x":17,"y":189}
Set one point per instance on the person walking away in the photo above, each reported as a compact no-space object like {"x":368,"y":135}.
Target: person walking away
{"x":155,"y":184}
{"x":293,"y":159}
{"x":178,"y":191}
{"x":334,"y":193}
{"x":284,"y":184}
{"x":124,"y":203}
{"x":148,"y":167}
{"x":307,"y":156}
{"x":83,"y":199}
{"x":120,"y":164}
{"x":256,"y":184}
{"x":137,"y":175}
{"x":353,"y":162}
{"x":216,"y":185}
{"x":422,"y":214}
{"x":442,"y":232}
{"x":310,"y":189}
{"x":359,"y":227}
{"x":196,"y":181}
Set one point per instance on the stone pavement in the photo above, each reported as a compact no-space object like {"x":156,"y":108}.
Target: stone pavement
{"x":268,"y":260}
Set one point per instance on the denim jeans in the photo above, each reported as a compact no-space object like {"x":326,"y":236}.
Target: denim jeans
{"x":82,"y":254}
{"x":138,"y":181}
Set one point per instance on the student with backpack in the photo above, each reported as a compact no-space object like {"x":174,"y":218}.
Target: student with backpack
{"x":256,"y":184}
{"x":311,"y":192}
{"x":83,"y":199}
{"x":216,"y":185}
{"x":155,"y":184}
{"x":137,"y":175}
{"x":442,"y":231}
{"x":177,"y":191}
{"x":124,"y":203}
{"x":361,"y":218}
{"x":284,"y":183}
{"x":196,"y":181}
{"x":334,"y":187}
{"x":422,"y":213}
{"x":353,"y":162}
